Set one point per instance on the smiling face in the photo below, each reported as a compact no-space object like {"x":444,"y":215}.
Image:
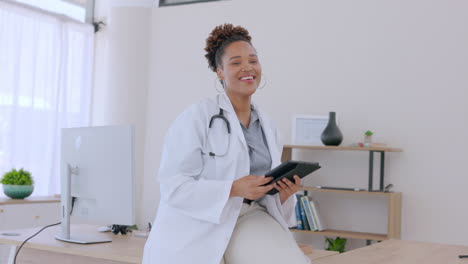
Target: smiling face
{"x":240,"y":69}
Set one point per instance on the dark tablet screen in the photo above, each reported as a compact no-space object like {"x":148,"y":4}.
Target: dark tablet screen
{"x":290,"y":168}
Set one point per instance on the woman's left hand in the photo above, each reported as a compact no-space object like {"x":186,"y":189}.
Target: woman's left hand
{"x":287,"y":188}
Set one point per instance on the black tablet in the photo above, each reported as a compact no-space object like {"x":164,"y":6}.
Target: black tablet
{"x":290,"y":168}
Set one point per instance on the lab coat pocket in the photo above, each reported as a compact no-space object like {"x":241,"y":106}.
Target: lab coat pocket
{"x":209,"y":167}
{"x":218,"y":168}
{"x":222,"y":169}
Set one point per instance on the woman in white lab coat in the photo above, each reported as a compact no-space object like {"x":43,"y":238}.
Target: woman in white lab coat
{"x":212,"y":209}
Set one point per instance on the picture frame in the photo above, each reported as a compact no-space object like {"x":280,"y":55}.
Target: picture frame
{"x":307,"y":129}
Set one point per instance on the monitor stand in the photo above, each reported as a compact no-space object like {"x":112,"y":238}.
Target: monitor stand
{"x":66,"y":207}
{"x":83,"y":239}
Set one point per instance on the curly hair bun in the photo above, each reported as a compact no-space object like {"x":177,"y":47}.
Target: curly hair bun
{"x":220,"y":38}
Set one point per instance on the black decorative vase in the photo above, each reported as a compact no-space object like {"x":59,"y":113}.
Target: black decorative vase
{"x":332,"y":136}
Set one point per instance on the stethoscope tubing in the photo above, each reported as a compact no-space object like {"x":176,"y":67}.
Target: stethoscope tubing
{"x":228,"y":127}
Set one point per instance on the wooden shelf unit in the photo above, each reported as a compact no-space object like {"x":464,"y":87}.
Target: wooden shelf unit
{"x":386,"y":149}
{"x":393,"y":198}
{"x":375,"y":193}
{"x":393,"y":216}
{"x":287,"y":154}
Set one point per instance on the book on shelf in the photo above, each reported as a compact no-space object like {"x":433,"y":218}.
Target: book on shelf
{"x":298,"y":216}
{"x":305,"y":224}
{"x":317,"y":217}
{"x":308,"y":212}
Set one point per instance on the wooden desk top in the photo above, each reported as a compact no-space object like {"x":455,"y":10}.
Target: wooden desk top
{"x":127,"y":248}
{"x":400,"y":252}
{"x":123,"y":249}
{"x":320,"y":254}
{"x":30,"y":200}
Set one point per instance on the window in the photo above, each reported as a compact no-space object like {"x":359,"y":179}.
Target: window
{"x":46,"y":65}
{"x":75,"y":9}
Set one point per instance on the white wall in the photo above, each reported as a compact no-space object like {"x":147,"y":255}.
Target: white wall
{"x":396,"y":67}
{"x":121,"y":74}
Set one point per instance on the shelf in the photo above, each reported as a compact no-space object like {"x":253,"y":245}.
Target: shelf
{"x":393,"y":216}
{"x":393,"y":198}
{"x":345,"y":234}
{"x":314,"y":189}
{"x":288,"y":149}
{"x":386,"y":149}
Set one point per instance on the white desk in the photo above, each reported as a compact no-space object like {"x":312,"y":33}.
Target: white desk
{"x":44,"y":248}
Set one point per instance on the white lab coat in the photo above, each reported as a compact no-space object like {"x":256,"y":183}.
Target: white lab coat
{"x":196,"y":217}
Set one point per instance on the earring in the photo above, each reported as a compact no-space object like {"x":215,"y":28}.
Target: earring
{"x":261,"y":86}
{"x":217,"y":83}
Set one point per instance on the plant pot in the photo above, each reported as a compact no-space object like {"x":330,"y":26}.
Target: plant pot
{"x":17,"y":191}
{"x":367,"y":139}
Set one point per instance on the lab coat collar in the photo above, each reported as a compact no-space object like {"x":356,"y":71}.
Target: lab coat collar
{"x":225,"y":103}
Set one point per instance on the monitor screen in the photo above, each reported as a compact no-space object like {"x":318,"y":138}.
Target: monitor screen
{"x":97,"y":171}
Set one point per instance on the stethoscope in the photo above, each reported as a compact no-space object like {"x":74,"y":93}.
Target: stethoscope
{"x":228,"y":127}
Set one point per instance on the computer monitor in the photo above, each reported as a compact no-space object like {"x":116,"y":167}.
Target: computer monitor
{"x":97,"y":169}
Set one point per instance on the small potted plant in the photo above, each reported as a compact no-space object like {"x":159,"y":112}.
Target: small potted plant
{"x":17,"y":184}
{"x":368,"y":138}
{"x":337,"y":244}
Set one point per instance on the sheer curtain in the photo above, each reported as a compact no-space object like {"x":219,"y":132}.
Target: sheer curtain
{"x":46,"y":65}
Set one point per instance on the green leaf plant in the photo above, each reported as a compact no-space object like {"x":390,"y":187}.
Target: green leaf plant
{"x":17,"y":177}
{"x":337,"y":244}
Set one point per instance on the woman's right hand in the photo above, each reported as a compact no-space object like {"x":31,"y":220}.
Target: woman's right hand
{"x":250,"y":187}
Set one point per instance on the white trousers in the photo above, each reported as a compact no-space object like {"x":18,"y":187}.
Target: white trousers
{"x":258,"y":239}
